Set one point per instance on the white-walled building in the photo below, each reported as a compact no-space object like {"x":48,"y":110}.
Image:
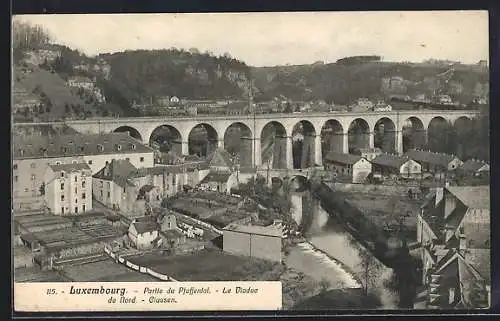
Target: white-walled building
{"x":32,"y":156}
{"x":81,"y":82}
{"x":396,"y":166}
{"x":120,"y":185}
{"x":144,"y":233}
{"x":355,"y":167}
{"x":68,"y":189}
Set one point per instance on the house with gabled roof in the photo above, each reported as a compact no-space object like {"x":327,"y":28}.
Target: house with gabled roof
{"x":396,"y":166}
{"x":120,"y":185}
{"x":221,"y":176}
{"x":144,"y":232}
{"x":453,"y":229}
{"x":354,"y":167}
{"x":432,"y":162}
{"x":475,"y":167}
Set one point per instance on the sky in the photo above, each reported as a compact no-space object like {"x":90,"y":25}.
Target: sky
{"x":268,"y":39}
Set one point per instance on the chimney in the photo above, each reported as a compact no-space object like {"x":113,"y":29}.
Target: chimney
{"x":106,"y":169}
{"x":462,"y":243}
{"x":439,"y":195}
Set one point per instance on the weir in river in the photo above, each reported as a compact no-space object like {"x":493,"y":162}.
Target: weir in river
{"x":331,"y":253}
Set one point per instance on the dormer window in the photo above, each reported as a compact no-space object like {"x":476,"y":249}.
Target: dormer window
{"x":118,"y":147}
{"x":64,"y":149}
{"x":80,"y":148}
{"x":58,"y":163}
{"x":132,"y":146}
{"x":100,"y":148}
{"x":62,"y":174}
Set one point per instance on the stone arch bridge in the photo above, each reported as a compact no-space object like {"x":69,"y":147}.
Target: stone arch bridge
{"x":312,"y":126}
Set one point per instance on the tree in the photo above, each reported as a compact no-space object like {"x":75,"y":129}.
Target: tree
{"x":42,"y":189}
{"x":324,"y":285}
{"x":66,"y":108}
{"x":368,"y":269}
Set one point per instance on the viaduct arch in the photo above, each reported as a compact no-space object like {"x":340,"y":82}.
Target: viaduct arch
{"x":331,"y":131}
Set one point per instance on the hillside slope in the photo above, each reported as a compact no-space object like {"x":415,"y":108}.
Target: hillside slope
{"x":144,"y":74}
{"x":344,"y":83}
{"x":55,"y":88}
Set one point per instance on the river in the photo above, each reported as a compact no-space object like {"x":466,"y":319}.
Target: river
{"x":327,"y":245}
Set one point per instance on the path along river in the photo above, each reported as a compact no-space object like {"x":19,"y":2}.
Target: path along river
{"x":330,"y":254}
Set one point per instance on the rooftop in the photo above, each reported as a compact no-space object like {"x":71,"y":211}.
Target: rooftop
{"x":216,"y":177}
{"x":220,"y":157}
{"x":473,"y":165}
{"x":480,"y":260}
{"x":118,"y":171}
{"x":477,"y":197}
{"x":349,"y":159}
{"x":76,"y":145}
{"x":69,"y":167}
{"x":390,"y":160}
{"x":440,"y":159}
{"x":145,"y":226}
{"x":255,"y":229}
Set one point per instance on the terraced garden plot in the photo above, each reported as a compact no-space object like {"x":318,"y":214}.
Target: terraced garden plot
{"x":95,"y":271}
{"x":36,"y":275}
{"x":210,"y":266}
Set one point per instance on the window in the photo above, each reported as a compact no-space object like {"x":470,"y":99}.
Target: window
{"x":102,"y":183}
{"x":83,"y":184}
{"x":76,"y":190}
{"x":83,"y":208}
{"x":109,"y":194}
{"x":141,"y":159}
{"x":107,"y":162}
{"x":62,"y":174}
{"x":128,"y":158}
{"x":415,"y":168}
{"x":101,"y":194}
{"x":76,"y":200}
{"x":83,"y":196}
{"x":74,"y":161}
{"x":62,"y":186}
{"x":62,"y":197}
{"x":15,"y":166}
{"x":15,"y":178}
{"x":76,"y":209}
{"x":33,"y":177}
{"x":62,"y":210}
{"x":76,"y":179}
{"x":90,"y":162}
{"x":108,"y":184}
{"x":451,"y":297}
{"x":58,"y":163}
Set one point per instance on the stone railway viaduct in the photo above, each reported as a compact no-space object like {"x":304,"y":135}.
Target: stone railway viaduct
{"x":337,"y":124}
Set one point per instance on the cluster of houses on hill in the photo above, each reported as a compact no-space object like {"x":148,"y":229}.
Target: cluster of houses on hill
{"x":414,"y":164}
{"x":88,"y":85}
